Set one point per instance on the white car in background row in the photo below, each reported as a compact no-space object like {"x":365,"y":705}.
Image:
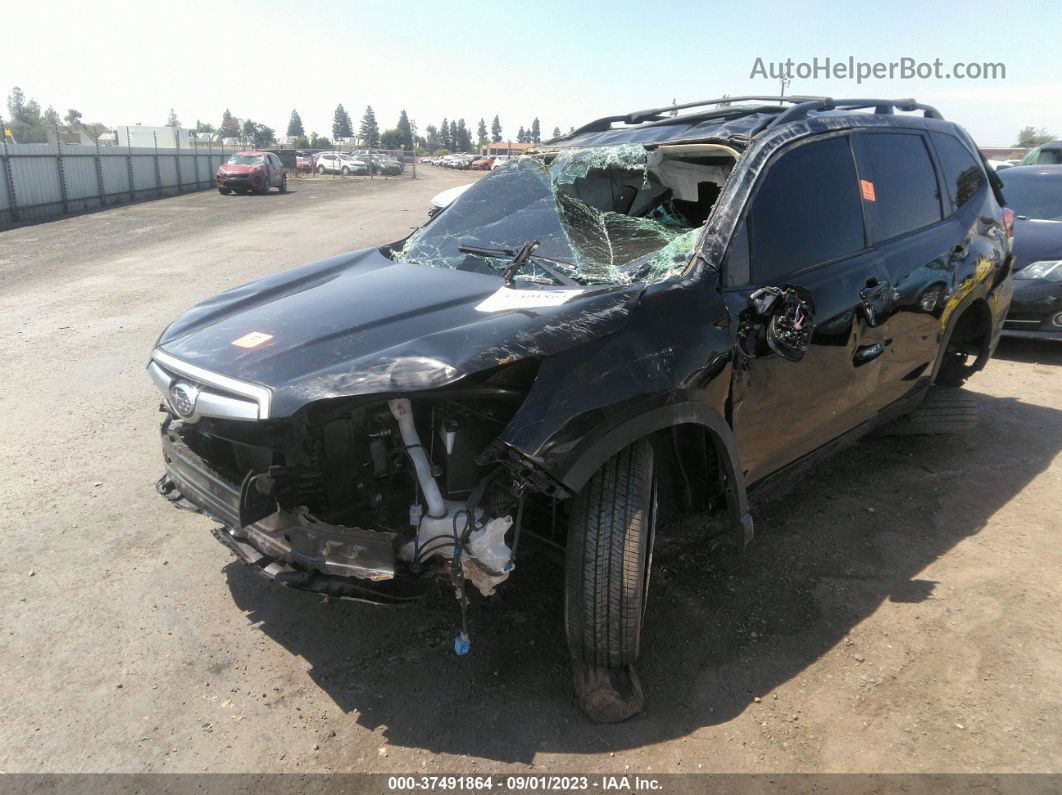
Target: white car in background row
{"x":339,"y":163}
{"x":440,"y":201}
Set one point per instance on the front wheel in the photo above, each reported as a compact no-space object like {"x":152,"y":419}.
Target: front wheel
{"x":224,"y":191}
{"x":346,"y":171}
{"x":321,"y":170}
{"x":284,"y":184}
{"x":610,"y":536}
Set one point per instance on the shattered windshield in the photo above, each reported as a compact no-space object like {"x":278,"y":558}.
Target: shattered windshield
{"x":607,"y":215}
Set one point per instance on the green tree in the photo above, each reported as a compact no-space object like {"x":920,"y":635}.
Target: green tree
{"x":230,"y":125}
{"x":556,"y":132}
{"x":203,"y":127}
{"x":172,"y":120}
{"x":295,"y":124}
{"x":464,"y":138}
{"x":51,"y":117}
{"x":406,"y":130}
{"x":495,"y":130}
{"x":341,"y":125}
{"x":455,"y":142}
{"x":481,"y":132}
{"x":536,"y":131}
{"x":431,"y":138}
{"x":73,"y":116}
{"x":319,"y":142}
{"x":521,"y":137}
{"x":27,"y":126}
{"x":369,"y":130}
{"x":444,"y":135}
{"x":1030,"y":137}
{"x":391,"y":139}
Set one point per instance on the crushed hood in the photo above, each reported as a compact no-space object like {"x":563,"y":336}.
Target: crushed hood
{"x":362,"y":324}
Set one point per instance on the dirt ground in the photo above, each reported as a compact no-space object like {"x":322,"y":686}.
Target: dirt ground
{"x":897,"y":611}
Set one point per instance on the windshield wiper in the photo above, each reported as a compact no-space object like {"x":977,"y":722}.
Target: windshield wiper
{"x":520,"y":257}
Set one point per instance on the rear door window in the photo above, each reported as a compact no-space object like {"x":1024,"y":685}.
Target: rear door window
{"x":962,"y":173}
{"x":806,"y":210}
{"x":898,"y":183}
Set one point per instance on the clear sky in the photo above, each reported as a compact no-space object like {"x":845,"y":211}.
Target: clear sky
{"x":565,"y":61}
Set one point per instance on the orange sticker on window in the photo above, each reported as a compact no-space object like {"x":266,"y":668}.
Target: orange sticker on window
{"x":868,"y":190}
{"x":252,"y":340}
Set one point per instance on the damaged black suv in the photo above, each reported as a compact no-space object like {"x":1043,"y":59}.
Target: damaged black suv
{"x":658,"y":313}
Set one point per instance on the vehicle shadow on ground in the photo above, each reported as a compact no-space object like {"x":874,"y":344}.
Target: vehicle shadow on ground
{"x":1029,"y":351}
{"x":722,"y":628}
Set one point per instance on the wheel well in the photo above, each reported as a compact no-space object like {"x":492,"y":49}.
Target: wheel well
{"x":690,"y":470}
{"x":970,"y":336}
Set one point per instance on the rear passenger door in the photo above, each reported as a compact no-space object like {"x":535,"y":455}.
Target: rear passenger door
{"x":905,"y":200}
{"x":804,"y":228}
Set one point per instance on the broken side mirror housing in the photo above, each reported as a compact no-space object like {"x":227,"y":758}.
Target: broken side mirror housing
{"x":788,"y":316}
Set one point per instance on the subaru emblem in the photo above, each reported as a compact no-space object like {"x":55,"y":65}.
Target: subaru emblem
{"x":183,"y":397}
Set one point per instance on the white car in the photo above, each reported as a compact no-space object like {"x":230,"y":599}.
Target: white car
{"x":339,"y":163}
{"x":499,"y":161}
{"x":440,"y":201}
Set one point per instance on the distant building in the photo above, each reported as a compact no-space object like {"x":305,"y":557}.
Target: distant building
{"x":504,"y":148}
{"x":163,"y":137}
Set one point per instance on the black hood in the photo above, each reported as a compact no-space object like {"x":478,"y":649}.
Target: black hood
{"x":1036,"y":240}
{"x":362,"y":324}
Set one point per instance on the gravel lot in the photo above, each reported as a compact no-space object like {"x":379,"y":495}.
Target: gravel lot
{"x":898,"y":610}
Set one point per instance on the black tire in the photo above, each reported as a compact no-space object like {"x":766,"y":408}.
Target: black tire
{"x":284,"y":184}
{"x":944,"y":410}
{"x":345,"y":171}
{"x":321,"y":170}
{"x":224,"y":191}
{"x":611,"y":527}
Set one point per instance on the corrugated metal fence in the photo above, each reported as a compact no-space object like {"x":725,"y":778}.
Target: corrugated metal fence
{"x":39,"y":181}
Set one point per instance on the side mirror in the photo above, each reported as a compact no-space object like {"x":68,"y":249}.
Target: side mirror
{"x":788,"y":318}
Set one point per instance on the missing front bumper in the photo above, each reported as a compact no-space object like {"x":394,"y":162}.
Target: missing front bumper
{"x":290,"y":547}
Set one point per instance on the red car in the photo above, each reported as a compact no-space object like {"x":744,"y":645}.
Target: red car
{"x":482,"y":163}
{"x":247,"y":171}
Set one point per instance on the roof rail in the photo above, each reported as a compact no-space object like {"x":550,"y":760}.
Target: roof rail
{"x":799,"y":107}
{"x":656,"y":114}
{"x":881,"y":107}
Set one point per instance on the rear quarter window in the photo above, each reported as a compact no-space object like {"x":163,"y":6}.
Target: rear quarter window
{"x":962,"y":173}
{"x":903,"y":195}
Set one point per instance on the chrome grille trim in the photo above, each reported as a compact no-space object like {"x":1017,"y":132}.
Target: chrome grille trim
{"x":163,"y":368}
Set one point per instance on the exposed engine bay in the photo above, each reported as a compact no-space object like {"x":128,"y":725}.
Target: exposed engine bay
{"x":390,"y":491}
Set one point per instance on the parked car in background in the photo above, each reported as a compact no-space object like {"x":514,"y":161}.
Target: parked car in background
{"x":499,"y":161}
{"x":481,"y":164}
{"x":1034,"y":193}
{"x":303,"y":160}
{"x":251,"y":171}
{"x":340,"y":163}
{"x":1049,"y":154}
{"x":599,"y":334}
{"x":443,"y":199}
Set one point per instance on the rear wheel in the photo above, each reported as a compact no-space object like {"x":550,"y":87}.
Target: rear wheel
{"x":944,"y":410}
{"x":284,"y":184}
{"x":610,"y":534}
{"x":321,"y":170}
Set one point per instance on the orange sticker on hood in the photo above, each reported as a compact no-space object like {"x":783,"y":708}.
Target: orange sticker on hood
{"x":252,"y":340}
{"x":868,"y":190}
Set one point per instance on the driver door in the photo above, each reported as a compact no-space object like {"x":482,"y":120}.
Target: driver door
{"x":804,"y":229}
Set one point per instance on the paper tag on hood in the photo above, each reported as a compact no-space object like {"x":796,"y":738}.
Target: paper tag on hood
{"x":506,"y":298}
